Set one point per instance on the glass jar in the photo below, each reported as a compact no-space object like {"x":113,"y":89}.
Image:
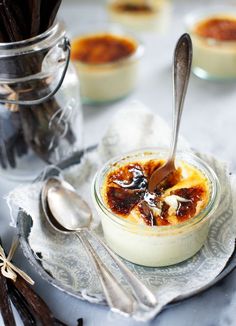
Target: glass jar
{"x":40,"y":112}
{"x":156,"y":246}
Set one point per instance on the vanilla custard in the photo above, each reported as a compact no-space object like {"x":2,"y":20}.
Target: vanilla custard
{"x":178,"y":198}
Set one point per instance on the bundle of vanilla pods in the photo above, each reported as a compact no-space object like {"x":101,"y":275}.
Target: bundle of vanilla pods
{"x":27,"y":127}
{"x":32,"y":309}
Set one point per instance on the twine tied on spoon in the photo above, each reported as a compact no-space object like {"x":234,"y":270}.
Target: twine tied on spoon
{"x":8,"y":269}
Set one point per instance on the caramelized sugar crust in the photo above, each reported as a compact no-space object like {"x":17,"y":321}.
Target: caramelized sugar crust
{"x":102,"y":48}
{"x":177,"y":199}
{"x":218,"y":28}
{"x":133,"y":8}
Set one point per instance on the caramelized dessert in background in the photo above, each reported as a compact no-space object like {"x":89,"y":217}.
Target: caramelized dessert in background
{"x":214,"y":45}
{"x":136,"y":8}
{"x":107,"y":65}
{"x":218,"y":28}
{"x":181,"y":196}
{"x":141,"y":14}
{"x":101,"y":49}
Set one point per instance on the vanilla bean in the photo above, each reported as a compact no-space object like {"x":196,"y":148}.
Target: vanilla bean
{"x":21,"y":20}
{"x":49,"y":11}
{"x":38,"y":307}
{"x":19,"y":303}
{"x":34,"y":6}
{"x":3,"y":34}
{"x":5,"y":22}
{"x":59,"y":323}
{"x":35,"y":304}
{"x":24,"y":309}
{"x":5,"y":304}
{"x":11,"y":24}
{"x":12,"y":142}
{"x":80,"y":322}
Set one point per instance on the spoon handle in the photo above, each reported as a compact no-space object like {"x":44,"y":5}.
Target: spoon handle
{"x":181,"y":72}
{"x":139,"y":290}
{"x":117,"y":298}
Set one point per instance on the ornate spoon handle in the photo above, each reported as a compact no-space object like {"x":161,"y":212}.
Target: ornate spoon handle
{"x":140,"y":291}
{"x":118,"y":299}
{"x":181,"y":72}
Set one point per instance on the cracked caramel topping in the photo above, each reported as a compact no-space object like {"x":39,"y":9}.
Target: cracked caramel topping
{"x":218,"y":28}
{"x":102,"y":48}
{"x":133,"y":8}
{"x":178,"y":198}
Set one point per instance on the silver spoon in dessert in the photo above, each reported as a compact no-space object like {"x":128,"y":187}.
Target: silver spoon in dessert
{"x":181,"y":72}
{"x":67,"y":212}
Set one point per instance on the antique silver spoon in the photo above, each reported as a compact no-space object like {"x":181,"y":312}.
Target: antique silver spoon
{"x":63,"y":215}
{"x":67,"y":212}
{"x":181,"y":71}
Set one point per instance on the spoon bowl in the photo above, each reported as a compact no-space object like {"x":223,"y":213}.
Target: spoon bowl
{"x":70,"y":210}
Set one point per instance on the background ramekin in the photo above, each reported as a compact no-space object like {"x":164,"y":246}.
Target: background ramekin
{"x":212,"y":59}
{"x":157,"y":21}
{"x":156,"y":246}
{"x":101,"y":83}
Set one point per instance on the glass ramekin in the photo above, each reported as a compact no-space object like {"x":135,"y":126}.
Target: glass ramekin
{"x":102,"y":83}
{"x":152,"y":245}
{"x":212,"y":59}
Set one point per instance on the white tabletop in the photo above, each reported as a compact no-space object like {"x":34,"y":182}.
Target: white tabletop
{"x":209,"y":125}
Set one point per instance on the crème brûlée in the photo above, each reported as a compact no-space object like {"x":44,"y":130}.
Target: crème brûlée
{"x":107,"y":64}
{"x":157,"y":228}
{"x":181,"y":196}
{"x":141,"y":15}
{"x":214,"y":40}
{"x":221,"y":28}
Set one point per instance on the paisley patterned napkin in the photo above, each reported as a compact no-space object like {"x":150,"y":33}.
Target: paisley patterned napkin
{"x":64,"y":257}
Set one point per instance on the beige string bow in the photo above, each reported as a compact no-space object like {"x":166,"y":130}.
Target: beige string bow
{"x":8,"y":269}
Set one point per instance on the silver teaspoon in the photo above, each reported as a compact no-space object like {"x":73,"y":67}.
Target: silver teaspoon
{"x":72,"y":213}
{"x":181,"y":71}
{"x":63,"y":215}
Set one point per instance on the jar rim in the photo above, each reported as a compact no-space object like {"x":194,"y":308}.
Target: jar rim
{"x":205,"y":213}
{"x":45,"y":40}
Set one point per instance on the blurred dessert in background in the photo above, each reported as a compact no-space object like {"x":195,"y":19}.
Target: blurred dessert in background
{"x":144,"y":15}
{"x":214,"y":41}
{"x":107,"y":64}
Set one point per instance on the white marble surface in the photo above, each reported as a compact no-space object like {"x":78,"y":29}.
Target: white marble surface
{"x":209,"y":125}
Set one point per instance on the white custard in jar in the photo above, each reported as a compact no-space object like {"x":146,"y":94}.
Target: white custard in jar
{"x":159,"y":243}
